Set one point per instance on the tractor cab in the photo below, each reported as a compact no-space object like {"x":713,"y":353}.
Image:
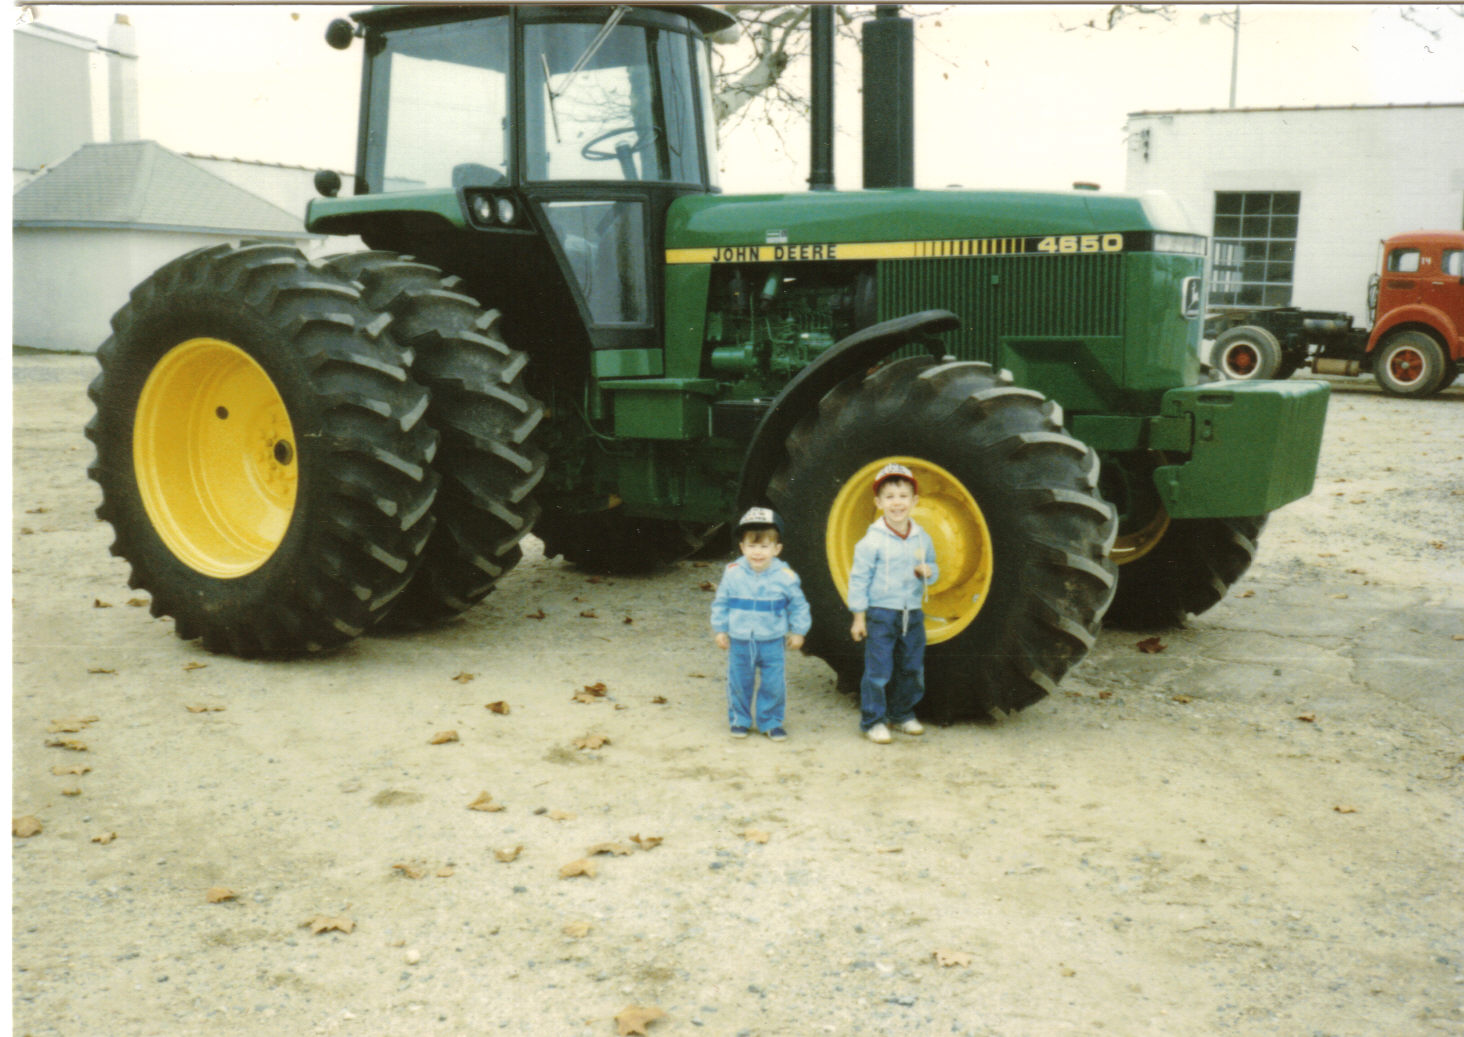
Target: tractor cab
{"x":551,"y":137}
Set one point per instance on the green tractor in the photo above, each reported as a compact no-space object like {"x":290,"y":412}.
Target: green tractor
{"x":562,"y":326}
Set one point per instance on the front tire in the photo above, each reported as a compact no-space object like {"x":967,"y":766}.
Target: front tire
{"x":262,"y":452}
{"x":1248,"y":353}
{"x":1186,"y":568}
{"x":1021,"y":534}
{"x":486,"y":418}
{"x":1411,"y":363}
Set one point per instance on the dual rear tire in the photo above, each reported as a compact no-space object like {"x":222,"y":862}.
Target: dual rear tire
{"x":270,"y":460}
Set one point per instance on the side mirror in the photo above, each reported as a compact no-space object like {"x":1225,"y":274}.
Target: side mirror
{"x":339,"y":33}
{"x":328,"y":182}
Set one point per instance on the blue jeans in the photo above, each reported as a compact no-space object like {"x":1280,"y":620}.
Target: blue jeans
{"x":770,"y":699}
{"x":894,"y":667}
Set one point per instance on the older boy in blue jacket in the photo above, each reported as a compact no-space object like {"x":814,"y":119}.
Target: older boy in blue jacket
{"x":759,"y":608}
{"x":893,"y":564}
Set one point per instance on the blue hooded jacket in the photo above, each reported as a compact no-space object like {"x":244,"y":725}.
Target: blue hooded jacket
{"x":760,"y":606}
{"x":884,"y":568}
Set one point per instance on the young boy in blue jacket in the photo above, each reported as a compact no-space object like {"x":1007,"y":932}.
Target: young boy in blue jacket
{"x":893,"y":564}
{"x":758,"y":609}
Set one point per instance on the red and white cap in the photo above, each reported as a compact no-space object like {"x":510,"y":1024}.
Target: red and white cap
{"x":895,"y":471}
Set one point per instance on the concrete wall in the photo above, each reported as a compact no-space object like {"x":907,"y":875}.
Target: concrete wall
{"x":1364,"y":174}
{"x":69,"y":282}
{"x":53,"y":97}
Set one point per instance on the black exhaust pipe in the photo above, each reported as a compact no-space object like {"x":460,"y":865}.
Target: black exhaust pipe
{"x":821,"y":100}
{"x":889,"y":99}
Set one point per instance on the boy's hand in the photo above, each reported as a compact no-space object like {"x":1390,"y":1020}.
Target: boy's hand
{"x":723,"y":641}
{"x":857,"y":631}
{"x":794,"y":642}
{"x":923,"y":571}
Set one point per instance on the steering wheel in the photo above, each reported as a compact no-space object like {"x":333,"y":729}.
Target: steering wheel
{"x":640,"y":144}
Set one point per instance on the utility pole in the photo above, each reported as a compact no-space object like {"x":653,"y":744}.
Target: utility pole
{"x":1234,"y":51}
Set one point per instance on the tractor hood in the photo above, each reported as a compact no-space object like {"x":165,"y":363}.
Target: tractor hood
{"x":815,"y":218}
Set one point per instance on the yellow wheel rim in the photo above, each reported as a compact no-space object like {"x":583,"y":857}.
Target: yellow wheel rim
{"x":215,"y":458}
{"x":1131,"y":546}
{"x":948,"y":512}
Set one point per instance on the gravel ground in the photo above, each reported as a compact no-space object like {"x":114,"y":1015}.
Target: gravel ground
{"x":1256,"y":830}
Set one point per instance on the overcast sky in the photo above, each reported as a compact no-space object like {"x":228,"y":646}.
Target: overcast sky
{"x":1010,"y":96}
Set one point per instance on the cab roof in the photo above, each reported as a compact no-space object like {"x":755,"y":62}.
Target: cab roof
{"x":709,"y":18}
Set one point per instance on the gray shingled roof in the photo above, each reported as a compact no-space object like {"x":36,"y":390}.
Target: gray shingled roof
{"x":143,"y":184}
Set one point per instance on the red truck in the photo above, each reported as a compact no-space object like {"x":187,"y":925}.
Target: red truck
{"x":1415,"y":347}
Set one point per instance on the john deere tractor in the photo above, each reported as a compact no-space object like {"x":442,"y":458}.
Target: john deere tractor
{"x":563,"y":326}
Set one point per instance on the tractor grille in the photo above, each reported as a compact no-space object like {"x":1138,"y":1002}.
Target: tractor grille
{"x":996,"y":296}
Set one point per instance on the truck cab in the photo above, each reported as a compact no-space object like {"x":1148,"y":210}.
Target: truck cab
{"x":1417,"y":338}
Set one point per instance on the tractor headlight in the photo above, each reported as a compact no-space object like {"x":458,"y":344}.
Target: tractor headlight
{"x":505,"y":209}
{"x":1184,"y":244}
{"x":482,"y":208}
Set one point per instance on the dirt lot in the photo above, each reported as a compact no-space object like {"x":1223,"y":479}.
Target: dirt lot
{"x":1257,"y":830}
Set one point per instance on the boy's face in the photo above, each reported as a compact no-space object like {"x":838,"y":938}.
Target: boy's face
{"x":896,"y":499}
{"x":760,"y":547}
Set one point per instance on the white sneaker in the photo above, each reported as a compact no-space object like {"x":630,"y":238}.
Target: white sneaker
{"x":878,"y":733}
{"x":912,"y":727}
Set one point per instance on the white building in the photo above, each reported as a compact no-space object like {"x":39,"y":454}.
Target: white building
{"x":1296,"y":200}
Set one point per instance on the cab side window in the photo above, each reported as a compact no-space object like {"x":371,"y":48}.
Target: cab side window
{"x":1454,"y":262}
{"x":1403,"y":261}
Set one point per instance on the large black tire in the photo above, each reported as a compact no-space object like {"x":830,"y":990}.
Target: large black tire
{"x":1021,"y":534}
{"x":1248,"y":353}
{"x":1411,"y":364}
{"x":262,"y":451}
{"x":486,"y":418}
{"x":613,"y":542}
{"x":1188,"y":570}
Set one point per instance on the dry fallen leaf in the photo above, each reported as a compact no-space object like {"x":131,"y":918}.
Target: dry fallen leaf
{"x":616,"y":849}
{"x":463,"y":678}
{"x":67,"y":743}
{"x":104,"y":838}
{"x":137,"y":603}
{"x":1181,"y":699}
{"x":583,"y":696}
{"x":576,"y":930}
{"x":591,"y":741}
{"x":1437,"y":545}
{"x":594,"y":579}
{"x":1246,"y":594}
{"x":584,"y":866}
{"x":98,"y":603}
{"x":505,"y":856}
{"x":708,"y":585}
{"x":1345,"y":810}
{"x":485,"y":803}
{"x":588,"y":614}
{"x":25,"y":827}
{"x":535,"y":615}
{"x":1151,"y":645}
{"x":1105,"y":694}
{"x":75,"y":768}
{"x":753,"y":835}
{"x":1310,"y":718}
{"x":325,"y":923}
{"x":195,"y":665}
{"x":948,"y":958}
{"x":205,"y":709}
{"x":407,"y":870}
{"x":218,"y":894}
{"x":627,"y":621}
{"x":443,"y":737}
{"x":71,"y":792}
{"x":889,"y":849}
{"x":659,"y":700}
{"x":99,"y":669}
{"x":647,"y":842}
{"x":1339,"y":597}
{"x":445,"y":872}
{"x":635,"y":1019}
{"x":500,"y":707}
{"x":560,"y":815}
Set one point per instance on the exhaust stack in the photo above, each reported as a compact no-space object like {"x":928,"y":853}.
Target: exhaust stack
{"x":888,"y":43}
{"x":821,"y":100}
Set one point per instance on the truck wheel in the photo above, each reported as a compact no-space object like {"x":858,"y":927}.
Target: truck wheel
{"x":486,"y":419}
{"x":262,"y":452}
{"x":1021,"y":534}
{"x":1178,"y":567}
{"x":613,"y":542}
{"x":1248,"y":353}
{"x":1410,"y":363}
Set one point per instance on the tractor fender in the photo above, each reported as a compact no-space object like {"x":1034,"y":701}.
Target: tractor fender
{"x":1427,"y":318}
{"x":849,"y":356}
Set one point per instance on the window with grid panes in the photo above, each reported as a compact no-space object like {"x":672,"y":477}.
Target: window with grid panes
{"x":1254,"y":248}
